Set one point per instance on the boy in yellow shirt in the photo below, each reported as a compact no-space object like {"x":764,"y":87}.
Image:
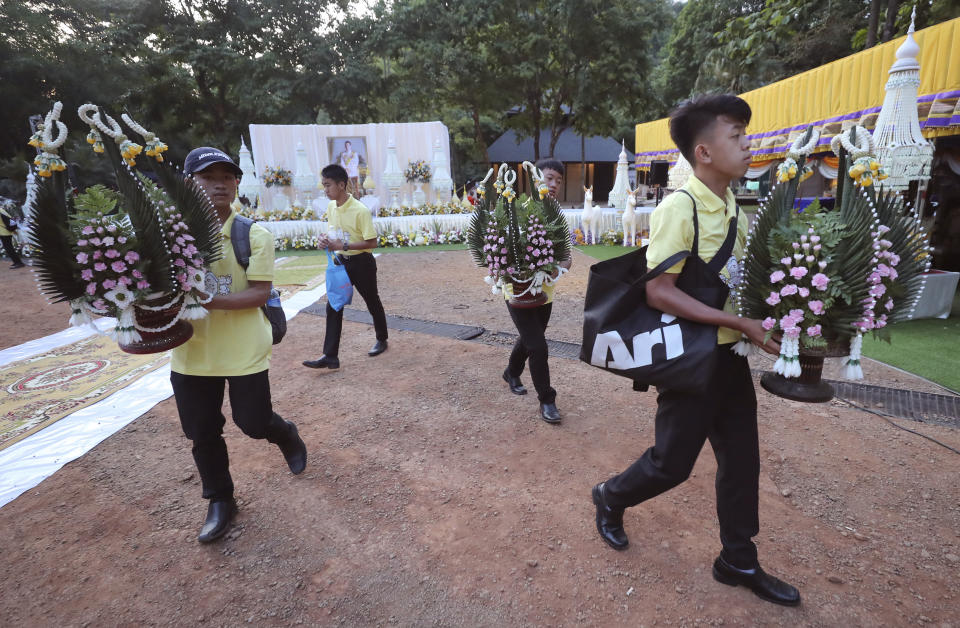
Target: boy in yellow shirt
{"x":710,"y":132}
{"x":351,"y":236}
{"x":232,"y":344}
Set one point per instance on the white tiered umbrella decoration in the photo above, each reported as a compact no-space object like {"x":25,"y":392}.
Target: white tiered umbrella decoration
{"x":901,"y":148}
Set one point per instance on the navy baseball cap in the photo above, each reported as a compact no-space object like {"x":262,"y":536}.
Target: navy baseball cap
{"x":199,"y":159}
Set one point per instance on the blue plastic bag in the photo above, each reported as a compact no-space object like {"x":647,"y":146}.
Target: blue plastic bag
{"x":339,"y":288}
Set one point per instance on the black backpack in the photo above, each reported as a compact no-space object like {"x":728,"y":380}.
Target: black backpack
{"x":240,"y":238}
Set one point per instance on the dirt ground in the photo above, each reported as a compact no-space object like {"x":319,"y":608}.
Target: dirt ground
{"x":433,"y":496}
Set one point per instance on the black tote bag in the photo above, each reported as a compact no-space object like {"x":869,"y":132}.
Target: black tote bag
{"x":624,"y":335}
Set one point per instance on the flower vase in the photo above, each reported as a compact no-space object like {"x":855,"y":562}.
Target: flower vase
{"x":526,"y":300}
{"x":809,"y":387}
{"x":419,"y":195}
{"x":158,"y":341}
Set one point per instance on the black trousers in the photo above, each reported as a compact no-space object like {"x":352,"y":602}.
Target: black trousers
{"x":10,"y":249}
{"x":199,"y":401}
{"x":727,"y":416}
{"x":531,"y":324}
{"x":362,"y":271}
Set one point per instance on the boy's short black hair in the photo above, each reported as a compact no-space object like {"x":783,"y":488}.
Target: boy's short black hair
{"x":335,"y":172}
{"x":549,"y":163}
{"x":692,"y":117}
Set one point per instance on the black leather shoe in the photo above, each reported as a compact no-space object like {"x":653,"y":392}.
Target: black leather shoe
{"x":763,"y":584}
{"x":295,"y":451}
{"x":219,"y":515}
{"x":549,"y":413}
{"x":378,"y":348}
{"x":514,"y":382}
{"x":323,"y":362}
{"x":609,"y":521}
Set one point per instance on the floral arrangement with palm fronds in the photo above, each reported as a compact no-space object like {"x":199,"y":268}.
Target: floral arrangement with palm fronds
{"x":117,"y":253}
{"x":822,"y":278}
{"x":518,"y":240}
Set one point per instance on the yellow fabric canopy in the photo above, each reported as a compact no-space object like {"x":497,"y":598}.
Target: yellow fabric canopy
{"x":837,"y":95}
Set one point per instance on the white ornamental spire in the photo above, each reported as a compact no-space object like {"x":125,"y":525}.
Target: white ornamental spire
{"x":249,"y":184}
{"x":621,"y":184}
{"x":901,"y":148}
{"x":680,"y":172}
{"x":392,"y":174}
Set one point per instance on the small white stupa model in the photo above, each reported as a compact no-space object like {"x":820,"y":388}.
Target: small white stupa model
{"x":679,"y":174}
{"x":304,"y":180}
{"x":392,"y":174}
{"x":905,"y":154}
{"x":440,"y":181}
{"x":621,"y":184}
{"x":249,"y":184}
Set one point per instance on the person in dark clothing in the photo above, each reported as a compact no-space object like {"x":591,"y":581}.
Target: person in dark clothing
{"x":531,"y":324}
{"x":710,"y":132}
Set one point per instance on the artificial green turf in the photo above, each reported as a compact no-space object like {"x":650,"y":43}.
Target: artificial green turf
{"x":929,"y":348}
{"x":603,"y":251}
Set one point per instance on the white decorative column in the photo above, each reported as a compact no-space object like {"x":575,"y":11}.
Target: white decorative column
{"x":621,"y":184}
{"x":249,"y":183}
{"x":392,"y":174}
{"x":440,"y":181}
{"x":901,"y":148}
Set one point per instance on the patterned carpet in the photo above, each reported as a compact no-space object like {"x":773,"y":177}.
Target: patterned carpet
{"x":44,"y":388}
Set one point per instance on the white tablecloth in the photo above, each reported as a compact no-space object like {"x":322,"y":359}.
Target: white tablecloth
{"x":937,"y":296}
{"x":609,"y":219}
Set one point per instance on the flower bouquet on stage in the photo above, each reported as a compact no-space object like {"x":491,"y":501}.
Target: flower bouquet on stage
{"x":822,"y":278}
{"x":521,"y":241}
{"x":137,"y":254}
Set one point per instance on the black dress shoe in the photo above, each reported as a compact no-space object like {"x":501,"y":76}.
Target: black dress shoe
{"x":295,"y":451}
{"x":219,"y":515}
{"x":549,"y":413}
{"x":514,"y":382}
{"x":323,"y":362}
{"x":609,"y":520}
{"x":757,"y":580}
{"x":378,"y":348}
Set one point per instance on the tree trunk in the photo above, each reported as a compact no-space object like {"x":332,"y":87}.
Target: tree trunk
{"x":478,"y":135}
{"x":892,"y":7}
{"x":872,"y":24}
{"x":554,"y":138}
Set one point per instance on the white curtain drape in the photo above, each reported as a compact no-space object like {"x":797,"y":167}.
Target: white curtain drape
{"x":276,"y":145}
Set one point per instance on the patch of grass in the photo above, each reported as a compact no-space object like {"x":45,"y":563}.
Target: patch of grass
{"x":928,"y":348}
{"x":602,"y":251}
{"x":299,"y":272}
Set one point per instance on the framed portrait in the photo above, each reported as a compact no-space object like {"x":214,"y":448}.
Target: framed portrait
{"x":351,"y":153}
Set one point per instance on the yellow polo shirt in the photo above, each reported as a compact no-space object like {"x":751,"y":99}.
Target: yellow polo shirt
{"x":3,"y":230}
{"x":352,"y":218}
{"x":232,"y":342}
{"x":671,"y":231}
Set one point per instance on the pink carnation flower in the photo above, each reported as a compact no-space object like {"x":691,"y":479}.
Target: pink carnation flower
{"x":804,"y":292}
{"x":769,"y":323}
{"x":112,"y":253}
{"x":820,"y":281}
{"x":788,"y":290}
{"x":798,"y":272}
{"x":777,"y":275}
{"x":813,"y":331}
{"x":888,"y":305}
{"x":82,"y":258}
{"x":91,"y":288}
{"x":86,"y":274}
{"x":118,"y":266}
{"x":131,"y":257}
{"x":786,"y":261}
{"x":773,"y":299}
{"x":816,"y":307}
{"x":109,"y":284}
{"x":878,"y":290}
{"x":99,"y":267}
{"x":142,"y":285}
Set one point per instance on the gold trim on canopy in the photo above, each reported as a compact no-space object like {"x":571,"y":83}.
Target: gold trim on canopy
{"x":836,"y":96}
